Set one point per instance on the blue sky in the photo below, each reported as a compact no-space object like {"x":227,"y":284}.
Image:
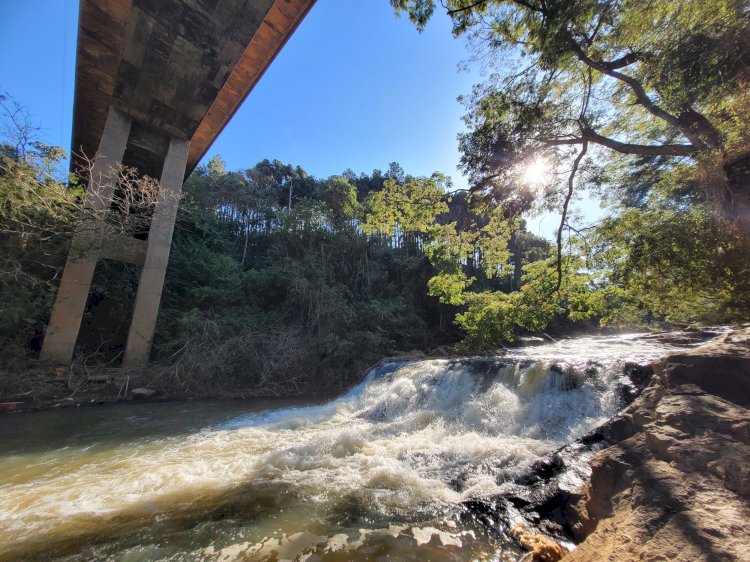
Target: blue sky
{"x":355,"y":87}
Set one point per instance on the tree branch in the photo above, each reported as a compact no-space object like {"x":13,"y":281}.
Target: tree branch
{"x":622,"y":62}
{"x":465,"y":8}
{"x":564,"y":217}
{"x":686,"y":128}
{"x":635,"y":85}
{"x":561,"y":142}
{"x":589,"y":135}
{"x":640,"y":149}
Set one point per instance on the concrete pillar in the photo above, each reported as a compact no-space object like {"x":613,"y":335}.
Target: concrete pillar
{"x":154,"y":269}
{"x":65,"y":321}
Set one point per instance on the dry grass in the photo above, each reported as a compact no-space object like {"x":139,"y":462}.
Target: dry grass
{"x":253,"y":364}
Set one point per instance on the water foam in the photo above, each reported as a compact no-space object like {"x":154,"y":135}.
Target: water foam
{"x":410,"y":440}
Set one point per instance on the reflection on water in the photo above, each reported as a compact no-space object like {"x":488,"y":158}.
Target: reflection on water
{"x":379,"y":472}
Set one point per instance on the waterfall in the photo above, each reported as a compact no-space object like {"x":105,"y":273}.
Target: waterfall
{"x":391,"y":461}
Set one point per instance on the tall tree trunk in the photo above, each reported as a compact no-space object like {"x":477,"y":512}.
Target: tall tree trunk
{"x":735,"y":203}
{"x":244,"y":250}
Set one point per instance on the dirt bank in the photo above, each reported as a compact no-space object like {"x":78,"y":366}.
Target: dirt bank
{"x":675,"y":483}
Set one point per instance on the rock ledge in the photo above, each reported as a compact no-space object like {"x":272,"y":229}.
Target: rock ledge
{"x":675,"y":483}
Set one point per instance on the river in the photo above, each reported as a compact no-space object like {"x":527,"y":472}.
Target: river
{"x":379,"y":473}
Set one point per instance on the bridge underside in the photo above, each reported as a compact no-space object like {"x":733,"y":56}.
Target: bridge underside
{"x":156,"y":82}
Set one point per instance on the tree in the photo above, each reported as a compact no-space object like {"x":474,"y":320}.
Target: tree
{"x":491,"y":317}
{"x":365,"y":183}
{"x":411,"y":206}
{"x":216,"y":167}
{"x":642,"y":252}
{"x":662,"y":81}
{"x":341,"y":198}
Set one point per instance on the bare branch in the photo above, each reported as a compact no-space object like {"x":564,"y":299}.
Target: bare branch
{"x":465,"y":8}
{"x":571,"y":179}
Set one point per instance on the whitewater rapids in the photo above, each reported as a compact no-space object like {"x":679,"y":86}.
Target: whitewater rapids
{"x":381,"y":471}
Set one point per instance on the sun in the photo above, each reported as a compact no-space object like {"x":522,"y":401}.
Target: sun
{"x":536,"y":172}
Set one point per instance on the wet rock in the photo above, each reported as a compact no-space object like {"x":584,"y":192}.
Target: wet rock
{"x":685,"y":338}
{"x":543,"y":470}
{"x":667,"y":479}
{"x":442,"y":351}
{"x":143,"y":392}
{"x":413,"y":354}
{"x":639,"y":375}
{"x":592,"y":368}
{"x":544,"y":494}
{"x":491,"y":514}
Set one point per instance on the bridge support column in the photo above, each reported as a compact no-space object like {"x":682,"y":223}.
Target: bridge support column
{"x":151,"y":283}
{"x":65,"y":321}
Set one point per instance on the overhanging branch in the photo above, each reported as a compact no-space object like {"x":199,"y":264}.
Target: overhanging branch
{"x":637,"y":88}
{"x":564,"y":218}
{"x":589,"y":135}
{"x":465,"y":8}
{"x":640,"y":149}
{"x":622,"y":62}
{"x":643,"y":98}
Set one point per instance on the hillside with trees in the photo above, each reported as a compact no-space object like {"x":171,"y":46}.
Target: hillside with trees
{"x":279,"y":281}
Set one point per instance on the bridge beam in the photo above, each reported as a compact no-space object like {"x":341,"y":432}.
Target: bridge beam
{"x":176,"y":70}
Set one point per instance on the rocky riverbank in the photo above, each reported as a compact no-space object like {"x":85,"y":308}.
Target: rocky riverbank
{"x":674,"y":484}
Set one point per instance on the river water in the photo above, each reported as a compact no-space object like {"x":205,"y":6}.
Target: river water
{"x":379,"y":473}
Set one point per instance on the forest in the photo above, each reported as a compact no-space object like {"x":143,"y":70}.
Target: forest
{"x":280,"y":282}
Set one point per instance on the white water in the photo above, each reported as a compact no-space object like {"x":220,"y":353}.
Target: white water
{"x":384,"y":467}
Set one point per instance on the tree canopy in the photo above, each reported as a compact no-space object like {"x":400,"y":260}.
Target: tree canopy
{"x":662,"y":81}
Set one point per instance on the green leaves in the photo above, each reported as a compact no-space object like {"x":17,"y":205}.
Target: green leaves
{"x":679,"y":265}
{"x":492,"y":241}
{"x":38,"y":214}
{"x":449,"y":288}
{"x":341,"y":198}
{"x":412,"y":206}
{"x":419,"y":11}
{"x":495,"y":317}
{"x":659,"y":90}
{"x":661,"y":80}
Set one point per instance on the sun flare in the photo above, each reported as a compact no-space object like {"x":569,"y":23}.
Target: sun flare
{"x":536,"y":172}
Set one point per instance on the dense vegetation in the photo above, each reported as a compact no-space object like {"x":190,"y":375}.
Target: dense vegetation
{"x":281,"y":282}
{"x":277,"y":280}
{"x":264,"y":297}
{"x":642,"y":102}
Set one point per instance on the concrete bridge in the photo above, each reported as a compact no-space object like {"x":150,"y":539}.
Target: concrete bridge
{"x":156,"y":82}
